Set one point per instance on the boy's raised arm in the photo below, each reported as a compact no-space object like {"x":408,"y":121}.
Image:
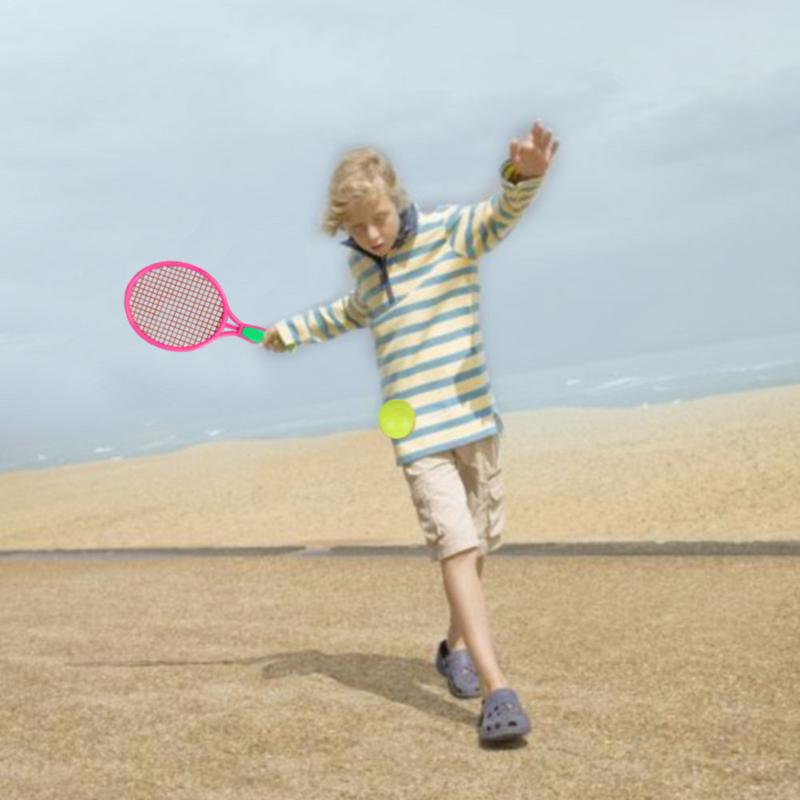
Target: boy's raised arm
{"x":475,"y":229}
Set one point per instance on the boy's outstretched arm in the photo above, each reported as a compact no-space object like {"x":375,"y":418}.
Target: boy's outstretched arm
{"x":476,"y":229}
{"x":318,"y":324}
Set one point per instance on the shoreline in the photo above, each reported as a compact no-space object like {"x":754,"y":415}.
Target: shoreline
{"x":718,"y":468}
{"x":317,"y":437}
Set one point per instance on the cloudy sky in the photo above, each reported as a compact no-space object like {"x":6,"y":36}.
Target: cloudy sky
{"x":207,"y":132}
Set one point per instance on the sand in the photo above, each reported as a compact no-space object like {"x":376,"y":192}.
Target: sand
{"x":725,"y":467}
{"x":300,"y":677}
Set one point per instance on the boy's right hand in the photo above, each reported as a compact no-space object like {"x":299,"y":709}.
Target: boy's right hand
{"x":272,"y":341}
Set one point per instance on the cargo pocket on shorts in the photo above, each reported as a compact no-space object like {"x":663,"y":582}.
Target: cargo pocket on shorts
{"x":420,"y":496}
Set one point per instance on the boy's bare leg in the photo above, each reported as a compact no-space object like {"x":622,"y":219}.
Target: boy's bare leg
{"x":464,"y":592}
{"x":455,"y":638}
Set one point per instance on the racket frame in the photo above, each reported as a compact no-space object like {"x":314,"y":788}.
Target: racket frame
{"x":229,"y":325}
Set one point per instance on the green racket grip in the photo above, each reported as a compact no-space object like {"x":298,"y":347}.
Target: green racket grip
{"x":253,"y":334}
{"x":256,"y":335}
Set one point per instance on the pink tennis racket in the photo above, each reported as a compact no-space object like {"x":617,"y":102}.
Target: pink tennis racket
{"x":179,"y":306}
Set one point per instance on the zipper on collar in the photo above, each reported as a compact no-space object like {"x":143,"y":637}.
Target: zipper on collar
{"x":385,"y":279}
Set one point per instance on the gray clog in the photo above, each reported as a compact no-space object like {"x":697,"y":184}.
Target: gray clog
{"x":457,"y":667}
{"x":502,"y":717}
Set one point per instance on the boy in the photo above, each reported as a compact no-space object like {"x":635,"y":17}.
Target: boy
{"x":418,"y":289}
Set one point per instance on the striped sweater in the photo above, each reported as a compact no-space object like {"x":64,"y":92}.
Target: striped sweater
{"x":422,"y":305}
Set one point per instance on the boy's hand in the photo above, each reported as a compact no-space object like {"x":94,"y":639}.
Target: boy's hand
{"x":271,"y":341}
{"x":533,"y":154}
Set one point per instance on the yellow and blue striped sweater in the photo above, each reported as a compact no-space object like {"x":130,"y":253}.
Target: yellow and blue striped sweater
{"x":422,"y":304}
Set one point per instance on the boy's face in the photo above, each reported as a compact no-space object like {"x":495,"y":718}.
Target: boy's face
{"x":374,"y":224}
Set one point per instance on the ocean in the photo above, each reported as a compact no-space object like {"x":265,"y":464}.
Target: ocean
{"x":657,"y":378}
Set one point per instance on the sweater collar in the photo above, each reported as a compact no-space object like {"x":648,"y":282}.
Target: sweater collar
{"x":408,"y":227}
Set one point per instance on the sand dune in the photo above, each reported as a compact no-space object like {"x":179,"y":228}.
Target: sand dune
{"x":725,"y":467}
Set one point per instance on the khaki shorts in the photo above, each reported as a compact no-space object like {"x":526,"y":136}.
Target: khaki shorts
{"x":459,"y":497}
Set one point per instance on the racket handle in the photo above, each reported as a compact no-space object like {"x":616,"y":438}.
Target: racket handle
{"x":252,"y":333}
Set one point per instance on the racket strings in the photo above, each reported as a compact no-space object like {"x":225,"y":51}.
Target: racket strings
{"x":176,"y":306}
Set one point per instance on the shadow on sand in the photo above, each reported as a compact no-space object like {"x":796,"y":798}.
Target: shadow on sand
{"x":398,"y":680}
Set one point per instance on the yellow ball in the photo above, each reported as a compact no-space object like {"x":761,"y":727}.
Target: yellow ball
{"x":396,"y":418}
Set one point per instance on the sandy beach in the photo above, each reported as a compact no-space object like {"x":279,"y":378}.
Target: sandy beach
{"x":302,"y":676}
{"x":725,"y":467}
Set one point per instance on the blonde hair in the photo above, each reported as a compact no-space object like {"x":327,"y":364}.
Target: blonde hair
{"x":358,"y":177}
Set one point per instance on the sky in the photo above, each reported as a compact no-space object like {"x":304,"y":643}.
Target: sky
{"x":208,"y":132}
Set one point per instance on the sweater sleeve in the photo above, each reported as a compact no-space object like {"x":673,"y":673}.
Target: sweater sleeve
{"x":476,"y":229}
{"x":324,"y":322}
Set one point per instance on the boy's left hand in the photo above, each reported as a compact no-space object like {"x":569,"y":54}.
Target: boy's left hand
{"x":533,"y":154}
